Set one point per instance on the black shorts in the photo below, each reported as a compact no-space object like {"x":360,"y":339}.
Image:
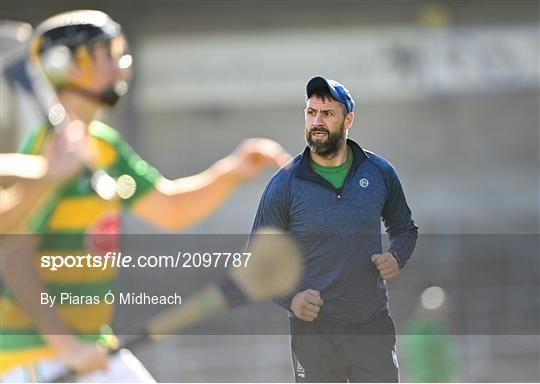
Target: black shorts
{"x":323,"y":351}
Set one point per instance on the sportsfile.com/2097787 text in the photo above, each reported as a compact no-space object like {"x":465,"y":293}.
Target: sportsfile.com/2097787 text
{"x":117,"y":260}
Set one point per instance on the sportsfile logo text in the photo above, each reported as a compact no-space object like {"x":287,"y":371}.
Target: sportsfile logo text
{"x":118,"y":260}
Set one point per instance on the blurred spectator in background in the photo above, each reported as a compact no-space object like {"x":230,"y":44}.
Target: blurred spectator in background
{"x":427,"y":344}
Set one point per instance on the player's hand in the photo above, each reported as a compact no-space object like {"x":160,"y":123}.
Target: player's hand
{"x":85,"y":358}
{"x":253,"y":155}
{"x":67,"y":152}
{"x":387,"y":265}
{"x":307,"y":304}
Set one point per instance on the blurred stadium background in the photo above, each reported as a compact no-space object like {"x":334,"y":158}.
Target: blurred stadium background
{"x":446,"y":90}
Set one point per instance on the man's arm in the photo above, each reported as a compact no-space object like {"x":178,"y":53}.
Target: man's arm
{"x":397,"y":217}
{"x":17,"y":166}
{"x":17,"y":203}
{"x":273,"y":212}
{"x":32,"y":178}
{"x":22,"y":176}
{"x":175,"y":204}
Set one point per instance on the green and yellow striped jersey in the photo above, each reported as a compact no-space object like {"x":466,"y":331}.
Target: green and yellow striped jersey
{"x":69,"y":224}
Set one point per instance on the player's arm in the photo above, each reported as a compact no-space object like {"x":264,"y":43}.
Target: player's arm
{"x":18,"y":201}
{"x":17,"y":166}
{"x":30,"y":183}
{"x":21,"y":176}
{"x":174,"y":204}
{"x":401,"y":229}
{"x":32,"y":178}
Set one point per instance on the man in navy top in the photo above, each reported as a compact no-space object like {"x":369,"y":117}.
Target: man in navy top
{"x":331,"y":199}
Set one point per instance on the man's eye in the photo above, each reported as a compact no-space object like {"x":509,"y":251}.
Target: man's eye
{"x":311,"y":113}
{"x":327,"y":113}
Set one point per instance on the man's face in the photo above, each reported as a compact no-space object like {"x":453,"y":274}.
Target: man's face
{"x":111,"y":62}
{"x":326,"y":125}
{"x":108,"y":67}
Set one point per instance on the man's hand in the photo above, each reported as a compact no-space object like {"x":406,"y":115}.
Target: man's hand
{"x":307,"y":304}
{"x":84,"y":358}
{"x":253,"y":155}
{"x":67,"y":152}
{"x":387,"y":265}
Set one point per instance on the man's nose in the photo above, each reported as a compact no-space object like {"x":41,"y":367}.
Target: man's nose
{"x":317,"y":121}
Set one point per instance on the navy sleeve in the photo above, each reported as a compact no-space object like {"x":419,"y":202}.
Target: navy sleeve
{"x":273,"y":207}
{"x":397,"y":218}
{"x":273,"y":212}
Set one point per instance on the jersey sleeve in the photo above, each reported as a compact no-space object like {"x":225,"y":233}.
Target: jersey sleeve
{"x":137,"y":177}
{"x":397,"y":217}
{"x":134,"y":177}
{"x":273,"y":212}
{"x":34,"y":144}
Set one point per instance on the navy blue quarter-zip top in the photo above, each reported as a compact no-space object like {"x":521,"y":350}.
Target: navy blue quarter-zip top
{"x":339,"y":229}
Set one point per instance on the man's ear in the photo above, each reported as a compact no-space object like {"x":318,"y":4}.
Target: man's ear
{"x":349,"y":119}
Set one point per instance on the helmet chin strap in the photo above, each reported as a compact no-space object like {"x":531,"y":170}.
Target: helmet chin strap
{"x":109,"y":96}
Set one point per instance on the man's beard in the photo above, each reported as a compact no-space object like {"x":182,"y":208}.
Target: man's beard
{"x":329,"y":146}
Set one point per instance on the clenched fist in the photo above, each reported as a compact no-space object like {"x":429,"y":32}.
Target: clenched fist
{"x":387,"y":265}
{"x":307,"y":304}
